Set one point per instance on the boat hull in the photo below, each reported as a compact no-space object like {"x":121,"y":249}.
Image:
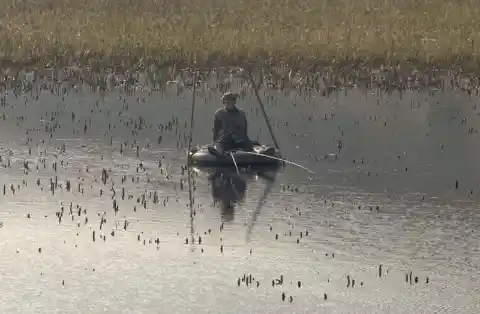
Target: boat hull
{"x":203,"y":157}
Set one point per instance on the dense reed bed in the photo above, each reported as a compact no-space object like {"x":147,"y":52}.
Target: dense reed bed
{"x":294,"y":32}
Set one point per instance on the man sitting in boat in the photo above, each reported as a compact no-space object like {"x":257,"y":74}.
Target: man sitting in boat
{"x":230,"y":126}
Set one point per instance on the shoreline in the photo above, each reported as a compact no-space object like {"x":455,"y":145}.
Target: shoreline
{"x":124,"y":63}
{"x":321,"y":78}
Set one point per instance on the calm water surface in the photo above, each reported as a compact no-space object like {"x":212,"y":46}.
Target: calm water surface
{"x":389,"y":197}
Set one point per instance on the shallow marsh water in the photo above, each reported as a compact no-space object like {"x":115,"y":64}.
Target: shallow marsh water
{"x":389,"y":197}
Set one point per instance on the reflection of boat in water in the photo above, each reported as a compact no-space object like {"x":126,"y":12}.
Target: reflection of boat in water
{"x":205,"y":156}
{"x":229,"y":186}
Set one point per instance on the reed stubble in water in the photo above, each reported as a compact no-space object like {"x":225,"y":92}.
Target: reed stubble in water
{"x":282,"y":31}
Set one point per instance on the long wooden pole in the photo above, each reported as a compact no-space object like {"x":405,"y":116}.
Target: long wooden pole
{"x":189,"y":171}
{"x":257,"y":95}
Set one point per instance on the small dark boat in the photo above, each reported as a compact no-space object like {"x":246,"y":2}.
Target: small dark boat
{"x":207,"y":156}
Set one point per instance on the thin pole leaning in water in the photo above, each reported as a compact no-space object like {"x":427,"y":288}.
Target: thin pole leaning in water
{"x":256,"y":212}
{"x":255,"y":89}
{"x":189,"y":171}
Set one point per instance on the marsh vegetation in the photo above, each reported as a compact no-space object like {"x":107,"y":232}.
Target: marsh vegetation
{"x":425,"y":32}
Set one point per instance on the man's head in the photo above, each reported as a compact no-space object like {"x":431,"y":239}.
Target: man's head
{"x":229,"y":100}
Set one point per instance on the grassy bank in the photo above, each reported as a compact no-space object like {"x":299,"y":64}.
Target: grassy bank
{"x":282,"y":31}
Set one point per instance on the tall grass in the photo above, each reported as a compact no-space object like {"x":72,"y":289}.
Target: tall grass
{"x":278,"y":31}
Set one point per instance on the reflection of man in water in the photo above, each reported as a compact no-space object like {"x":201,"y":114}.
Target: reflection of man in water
{"x":227,"y":210}
{"x":227,"y":188}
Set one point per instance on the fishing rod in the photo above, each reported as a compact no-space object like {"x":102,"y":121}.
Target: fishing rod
{"x":280,"y":159}
{"x":189,"y":172}
{"x":255,"y":89}
{"x":234,"y":162}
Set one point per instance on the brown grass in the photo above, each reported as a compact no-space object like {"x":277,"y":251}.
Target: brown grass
{"x":279,"y":31}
